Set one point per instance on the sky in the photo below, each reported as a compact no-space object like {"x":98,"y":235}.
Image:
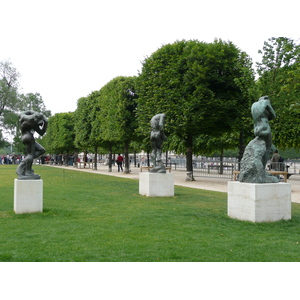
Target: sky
{"x":64,"y":50}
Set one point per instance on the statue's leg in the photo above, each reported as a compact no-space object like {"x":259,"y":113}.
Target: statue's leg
{"x":39,"y":150}
{"x":158,"y":155}
{"x":153,"y":157}
{"x":24,"y":168}
{"x":153,"y":153}
{"x":21,"y":168}
{"x":30,"y":147}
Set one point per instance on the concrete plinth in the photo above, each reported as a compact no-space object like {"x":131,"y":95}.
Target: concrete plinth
{"x":28,"y":196}
{"x":156,"y":184}
{"x":264,"y":202}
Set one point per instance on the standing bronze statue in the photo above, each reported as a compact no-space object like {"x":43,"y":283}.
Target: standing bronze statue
{"x":31,"y":121}
{"x":157,"y":138}
{"x":257,"y":152}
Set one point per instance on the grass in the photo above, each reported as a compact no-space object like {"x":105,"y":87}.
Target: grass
{"x":90,"y":217}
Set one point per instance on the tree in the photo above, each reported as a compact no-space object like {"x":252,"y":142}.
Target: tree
{"x":60,"y":134}
{"x":8,"y":87}
{"x":118,"y":101}
{"x":194,"y":84}
{"x":9,"y":100}
{"x":87,"y":124}
{"x":280,"y":79}
{"x":3,"y":142}
{"x":33,"y":102}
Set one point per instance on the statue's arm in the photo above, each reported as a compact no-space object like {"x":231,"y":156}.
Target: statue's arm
{"x":41,"y":126}
{"x":271,"y":112}
{"x":161,"y":121}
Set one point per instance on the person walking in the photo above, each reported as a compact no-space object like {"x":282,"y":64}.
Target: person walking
{"x":275,"y":161}
{"x":120,"y":162}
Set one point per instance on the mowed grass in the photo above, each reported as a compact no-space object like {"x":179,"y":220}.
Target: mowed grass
{"x":90,"y":218}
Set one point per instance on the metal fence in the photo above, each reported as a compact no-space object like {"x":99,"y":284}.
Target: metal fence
{"x":214,"y":168}
{"x":206,"y":167}
{"x":225,"y":169}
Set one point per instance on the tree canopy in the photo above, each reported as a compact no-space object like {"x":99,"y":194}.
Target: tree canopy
{"x":60,"y":134}
{"x":117,"y":102}
{"x":279,"y":78}
{"x":194,"y":84}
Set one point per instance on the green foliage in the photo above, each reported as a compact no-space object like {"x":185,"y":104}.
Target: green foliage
{"x":116,"y":117}
{"x":11,"y":103}
{"x":200,"y":87}
{"x":60,"y":134}
{"x":8,"y":87}
{"x":9,"y":100}
{"x":34,"y":102}
{"x":3,"y":142}
{"x":117,"y":101}
{"x":280,"y":79}
{"x":84,"y":118}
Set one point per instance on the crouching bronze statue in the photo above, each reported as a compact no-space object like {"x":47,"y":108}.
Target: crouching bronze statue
{"x":31,"y":121}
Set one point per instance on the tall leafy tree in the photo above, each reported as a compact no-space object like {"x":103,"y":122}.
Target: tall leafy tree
{"x":87,"y":124}
{"x":9,"y":100}
{"x":118,"y":101}
{"x":194,"y":84}
{"x":60,"y":134}
{"x":33,"y":101}
{"x":279,"y":79}
{"x":8,"y":87}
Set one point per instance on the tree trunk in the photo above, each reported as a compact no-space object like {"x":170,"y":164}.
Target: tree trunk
{"x":221,"y":162}
{"x":110,"y":159}
{"x":166,"y":158}
{"x":126,"y":153}
{"x":148,"y":159}
{"x":84,"y":158}
{"x":95,"y":158}
{"x":134,"y":157}
{"x":189,"y":159}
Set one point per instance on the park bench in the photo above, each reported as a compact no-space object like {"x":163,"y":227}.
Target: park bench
{"x":284,"y":173}
{"x":148,"y":168}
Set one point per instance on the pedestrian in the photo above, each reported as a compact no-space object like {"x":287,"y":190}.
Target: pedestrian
{"x":277,"y":162}
{"x":120,"y":162}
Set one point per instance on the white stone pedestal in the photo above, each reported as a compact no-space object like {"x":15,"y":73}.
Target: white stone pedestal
{"x":28,"y":196}
{"x":264,"y":202}
{"x":156,"y":184}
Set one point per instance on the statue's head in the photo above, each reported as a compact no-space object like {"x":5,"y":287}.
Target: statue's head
{"x":263,"y":98}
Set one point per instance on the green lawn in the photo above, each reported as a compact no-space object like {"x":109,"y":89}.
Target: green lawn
{"x":90,"y":217}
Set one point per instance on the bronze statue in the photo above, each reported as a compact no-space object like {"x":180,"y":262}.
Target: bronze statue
{"x":257,"y":152}
{"x":31,"y":121}
{"x":157,"y":138}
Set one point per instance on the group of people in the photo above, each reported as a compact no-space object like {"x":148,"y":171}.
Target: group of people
{"x":71,"y":159}
{"x":11,"y":159}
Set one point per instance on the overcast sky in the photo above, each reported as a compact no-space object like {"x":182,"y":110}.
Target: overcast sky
{"x":66,"y":49}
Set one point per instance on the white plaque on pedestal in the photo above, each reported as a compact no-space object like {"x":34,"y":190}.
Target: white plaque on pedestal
{"x":156,"y":184}
{"x":28,"y":196}
{"x":259,"y":202}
